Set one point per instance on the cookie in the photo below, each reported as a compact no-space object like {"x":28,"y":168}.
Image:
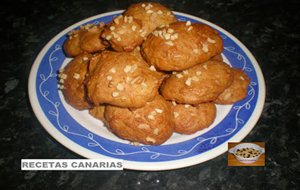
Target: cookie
{"x":85,"y":40}
{"x":181,"y":45}
{"x":199,"y":84}
{"x":150,"y":124}
{"x":122,"y":79}
{"x":72,"y":82}
{"x":237,"y":90}
{"x":151,"y":15}
{"x":189,"y":119}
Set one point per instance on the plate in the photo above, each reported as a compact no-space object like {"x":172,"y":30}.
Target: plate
{"x":86,"y":136}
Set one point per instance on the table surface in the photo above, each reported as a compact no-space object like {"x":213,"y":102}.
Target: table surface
{"x":270,"y":29}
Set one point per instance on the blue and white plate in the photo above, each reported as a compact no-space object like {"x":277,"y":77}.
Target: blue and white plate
{"x":85,"y":135}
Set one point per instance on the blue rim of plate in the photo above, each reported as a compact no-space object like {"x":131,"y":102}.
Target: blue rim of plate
{"x":48,"y":108}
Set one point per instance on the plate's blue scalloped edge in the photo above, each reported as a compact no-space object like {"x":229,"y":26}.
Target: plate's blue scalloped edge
{"x":49,"y":100}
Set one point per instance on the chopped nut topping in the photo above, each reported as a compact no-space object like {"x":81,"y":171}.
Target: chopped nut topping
{"x":153,"y":113}
{"x":109,"y":78}
{"x":76,"y":76}
{"x":116,"y":20}
{"x":174,"y":36}
{"x":188,"y":82}
{"x":149,"y":11}
{"x":211,"y":40}
{"x":149,"y":139}
{"x":167,"y":36}
{"x":160,"y":34}
{"x":143,"y":5}
{"x":155,"y":33}
{"x":185,"y":72}
{"x":174,"y":103}
{"x":112,"y":28}
{"x":187,"y":105}
{"x":159,"y":12}
{"x":179,"y":76}
{"x":176,"y":114}
{"x":61,"y":81}
{"x":149,"y":6}
{"x":196,"y":50}
{"x":119,"y":39}
{"x":158,"y":110}
{"x":205,"y":66}
{"x":133,"y":68}
{"x":189,"y":28}
{"x":63,"y":76}
{"x":108,"y":37}
{"x":113,"y":70}
{"x":155,"y":131}
{"x":169,"y":43}
{"x":85,"y":58}
{"x":143,"y":33}
{"x":127,"y":68}
{"x":60,"y":87}
{"x":88,"y":26}
{"x":205,"y":48}
{"x":161,"y":26}
{"x":115,"y":35}
{"x":133,"y":28}
{"x":151,"y":117}
{"x":242,"y":78}
{"x":135,"y":143}
{"x":128,"y":79}
{"x":125,"y":19}
{"x":115,"y":94}
{"x":143,"y":126}
{"x":194,"y":78}
{"x":198,"y":73}
{"x":170,"y":31}
{"x":188,"y":23}
{"x":130,"y":19}
{"x":152,"y":68}
{"x":120,"y":87}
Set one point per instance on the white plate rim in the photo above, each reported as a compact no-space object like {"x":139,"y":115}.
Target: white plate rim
{"x":147,"y":166}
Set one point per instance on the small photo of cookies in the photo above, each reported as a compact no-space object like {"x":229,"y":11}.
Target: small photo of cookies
{"x":246,"y":154}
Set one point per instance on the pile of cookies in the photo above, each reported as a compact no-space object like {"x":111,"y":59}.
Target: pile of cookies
{"x":147,"y":75}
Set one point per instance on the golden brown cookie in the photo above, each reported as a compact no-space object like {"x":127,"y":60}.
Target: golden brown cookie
{"x":123,"y":80}
{"x":217,"y":58}
{"x":181,"y":46}
{"x":150,"y":124}
{"x":72,"y":82}
{"x":199,"y":84}
{"x":189,"y":119}
{"x":98,"y":112}
{"x":85,"y":40}
{"x":123,"y":33}
{"x":151,"y":15}
{"x":237,"y":90}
